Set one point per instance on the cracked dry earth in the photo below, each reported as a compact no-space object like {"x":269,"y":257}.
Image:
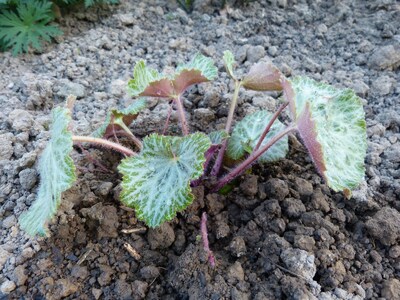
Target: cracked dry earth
{"x":281,"y":233}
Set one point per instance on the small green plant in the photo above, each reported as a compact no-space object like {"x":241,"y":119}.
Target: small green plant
{"x":159,"y":171}
{"x":26,"y":23}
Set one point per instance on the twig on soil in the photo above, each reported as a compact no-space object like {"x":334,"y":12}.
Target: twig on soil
{"x":204,"y":237}
{"x":132,"y":251}
{"x":84,"y":256}
{"x":134,"y":230}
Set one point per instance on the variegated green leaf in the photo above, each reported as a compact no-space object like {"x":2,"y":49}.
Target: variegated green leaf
{"x":143,"y":78}
{"x":229,"y":61}
{"x":331,"y":123}
{"x":218,"y":137}
{"x":157,"y":181}
{"x":199,"y":69}
{"x":201,"y":63}
{"x":57,"y":174}
{"x":120,"y":117}
{"x":247,"y":132}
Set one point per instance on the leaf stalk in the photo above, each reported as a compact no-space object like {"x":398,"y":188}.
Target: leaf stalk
{"x":252,"y":158}
{"x":220,"y":157}
{"x":181,"y":113}
{"x":269,"y":125}
{"x":103,"y":143}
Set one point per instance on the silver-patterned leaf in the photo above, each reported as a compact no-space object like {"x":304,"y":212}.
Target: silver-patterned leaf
{"x":247,"y":132}
{"x":57,"y":174}
{"x":157,"y":181}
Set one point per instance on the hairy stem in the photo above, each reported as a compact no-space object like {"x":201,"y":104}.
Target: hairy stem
{"x":103,"y":143}
{"x":181,"y":113}
{"x":269,"y":125}
{"x":252,"y":158}
{"x":204,"y":237}
{"x":220,"y":157}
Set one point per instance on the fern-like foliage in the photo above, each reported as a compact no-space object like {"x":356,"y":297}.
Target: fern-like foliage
{"x":27,"y":26}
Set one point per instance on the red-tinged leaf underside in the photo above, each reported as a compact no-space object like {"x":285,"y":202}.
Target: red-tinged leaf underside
{"x":332,"y":123}
{"x":308,"y":133}
{"x":288,"y":94}
{"x":187,"y":78}
{"x":263,"y":76}
{"x":161,"y":88}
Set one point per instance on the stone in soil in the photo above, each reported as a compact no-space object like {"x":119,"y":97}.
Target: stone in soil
{"x":28,"y":178}
{"x":386,"y":57}
{"x":385,"y":226}
{"x":20,"y":120}
{"x":391,"y":289}
{"x":161,"y":237}
{"x":6,"y":148}
{"x":299,"y":262}
{"x":7,"y":286}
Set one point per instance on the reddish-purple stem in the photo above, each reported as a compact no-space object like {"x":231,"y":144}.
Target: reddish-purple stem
{"x":229,"y":120}
{"x":204,"y":237}
{"x":208,"y":155}
{"x":251,"y":159}
{"x":181,"y":113}
{"x":218,"y":161}
{"x":269,"y":125}
{"x":167,"y":121}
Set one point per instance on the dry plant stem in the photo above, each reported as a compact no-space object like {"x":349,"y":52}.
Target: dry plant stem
{"x":204,"y":237}
{"x":220,"y":157}
{"x":181,"y":113}
{"x":103,"y":143}
{"x":252,"y":158}
{"x":269,"y":125}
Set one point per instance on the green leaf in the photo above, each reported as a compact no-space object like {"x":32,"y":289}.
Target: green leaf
{"x":28,"y":26}
{"x":247,"y":132}
{"x":89,"y":3}
{"x":148,"y":82}
{"x":332,"y":125}
{"x":218,"y":137}
{"x":229,"y":61}
{"x":263,"y":76}
{"x":57,"y":174}
{"x":119,"y":118}
{"x":157,"y":181}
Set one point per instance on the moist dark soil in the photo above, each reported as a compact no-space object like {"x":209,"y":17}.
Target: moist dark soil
{"x":281,"y":233}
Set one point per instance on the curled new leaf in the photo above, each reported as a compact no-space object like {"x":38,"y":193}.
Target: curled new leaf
{"x":263,"y":76}
{"x":247,"y":132}
{"x":157,"y":181}
{"x":229,"y":61}
{"x":57,"y":174}
{"x":118,"y":118}
{"x":331,"y":123}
